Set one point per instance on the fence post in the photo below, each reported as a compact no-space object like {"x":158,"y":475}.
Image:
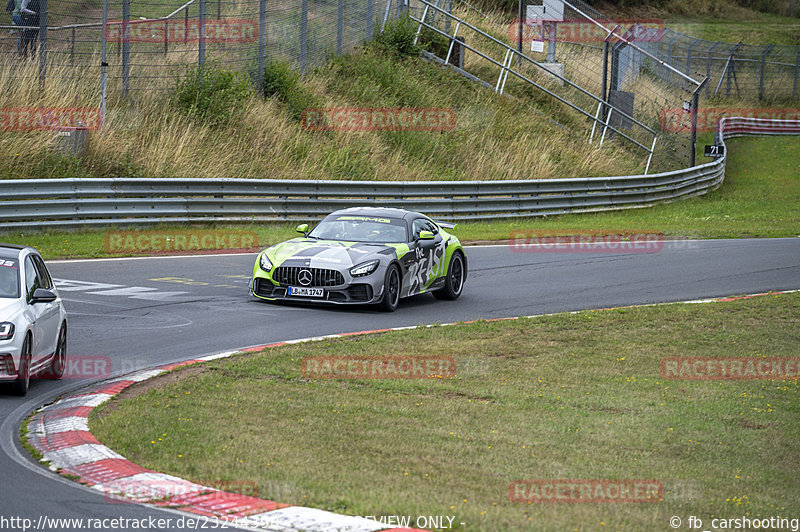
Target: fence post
{"x":201,"y":34}
{"x":72,"y":49}
{"x":370,"y":18}
{"x":103,"y":64}
{"x":303,"y":36}
{"x":166,"y":40}
{"x":126,"y":46}
{"x":520,"y":23}
{"x":796,"y":72}
{"x":339,"y":26}
{"x":689,"y":56}
{"x":708,"y":66}
{"x":42,"y":42}
{"x":763,"y":64}
{"x":695,"y":103}
{"x":604,"y":84}
{"x":185,"y":25}
{"x":669,"y":54}
{"x":262,"y":42}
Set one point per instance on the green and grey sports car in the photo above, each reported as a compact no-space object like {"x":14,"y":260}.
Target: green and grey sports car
{"x":363,"y":255}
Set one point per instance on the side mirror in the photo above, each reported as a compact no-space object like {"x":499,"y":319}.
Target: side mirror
{"x":40,"y":295}
{"x":302,"y":228}
{"x":426,"y":235}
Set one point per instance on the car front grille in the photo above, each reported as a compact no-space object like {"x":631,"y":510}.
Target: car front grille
{"x":289,"y":276}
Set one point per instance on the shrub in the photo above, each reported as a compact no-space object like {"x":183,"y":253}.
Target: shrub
{"x":398,"y":37}
{"x":211,"y":94}
{"x":282,"y":82}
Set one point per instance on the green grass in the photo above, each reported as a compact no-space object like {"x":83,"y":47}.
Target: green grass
{"x":569,"y":396}
{"x":759,"y":198}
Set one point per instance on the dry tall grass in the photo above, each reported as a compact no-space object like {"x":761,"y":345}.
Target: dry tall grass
{"x":146,"y":135}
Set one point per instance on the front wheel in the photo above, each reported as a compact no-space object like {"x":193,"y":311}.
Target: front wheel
{"x":391,"y":290}
{"x":24,"y":371}
{"x":454,"y":283}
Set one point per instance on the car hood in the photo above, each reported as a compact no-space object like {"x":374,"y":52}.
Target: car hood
{"x":9,"y":308}
{"x":332,"y":254}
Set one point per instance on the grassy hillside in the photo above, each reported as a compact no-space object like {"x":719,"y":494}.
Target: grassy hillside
{"x":152,"y":134}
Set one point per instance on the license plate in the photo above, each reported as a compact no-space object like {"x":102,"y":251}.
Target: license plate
{"x":305,"y":291}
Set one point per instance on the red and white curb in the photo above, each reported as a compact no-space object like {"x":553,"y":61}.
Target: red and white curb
{"x":60,"y":432}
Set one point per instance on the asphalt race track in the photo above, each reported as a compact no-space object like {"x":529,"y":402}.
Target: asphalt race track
{"x":137,"y":313}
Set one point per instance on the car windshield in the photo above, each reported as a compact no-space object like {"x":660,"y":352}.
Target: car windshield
{"x":9,"y":278}
{"x":360,"y":229}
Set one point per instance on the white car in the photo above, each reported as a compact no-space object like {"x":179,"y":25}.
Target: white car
{"x":33,"y":322}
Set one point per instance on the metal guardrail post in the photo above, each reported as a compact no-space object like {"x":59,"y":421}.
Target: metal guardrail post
{"x":126,"y":46}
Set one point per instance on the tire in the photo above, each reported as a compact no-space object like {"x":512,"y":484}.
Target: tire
{"x":24,"y":373}
{"x":59,"y":363}
{"x":454,"y":283}
{"x":391,"y":289}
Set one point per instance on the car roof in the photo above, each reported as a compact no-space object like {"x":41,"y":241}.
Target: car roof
{"x":12,"y":251}
{"x":387,"y":212}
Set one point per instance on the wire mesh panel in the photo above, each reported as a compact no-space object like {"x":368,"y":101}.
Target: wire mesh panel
{"x":149,"y":43}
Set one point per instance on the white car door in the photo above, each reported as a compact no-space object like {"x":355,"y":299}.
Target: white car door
{"x":37,"y":314}
{"x":50,"y":315}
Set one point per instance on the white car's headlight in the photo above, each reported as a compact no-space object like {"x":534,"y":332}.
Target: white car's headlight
{"x":6,"y":330}
{"x":365,"y":268}
{"x":264,"y":262}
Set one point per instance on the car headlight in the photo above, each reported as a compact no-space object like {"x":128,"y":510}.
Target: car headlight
{"x":365,"y":268}
{"x":6,"y":330}
{"x":264,"y":262}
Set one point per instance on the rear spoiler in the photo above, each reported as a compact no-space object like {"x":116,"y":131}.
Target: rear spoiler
{"x":446,"y":225}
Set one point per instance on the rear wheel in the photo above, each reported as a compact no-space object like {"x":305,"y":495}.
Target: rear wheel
{"x":24,"y":371}
{"x":59,"y":362}
{"x":454,"y":283}
{"x":391,"y":290}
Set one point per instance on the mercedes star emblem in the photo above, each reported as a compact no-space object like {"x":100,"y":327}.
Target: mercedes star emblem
{"x":304,"y":277}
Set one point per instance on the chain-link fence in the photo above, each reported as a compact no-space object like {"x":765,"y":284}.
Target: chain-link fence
{"x":765,"y":72}
{"x":146,"y":43}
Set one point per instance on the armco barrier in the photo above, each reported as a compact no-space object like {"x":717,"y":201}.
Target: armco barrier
{"x":40,"y":203}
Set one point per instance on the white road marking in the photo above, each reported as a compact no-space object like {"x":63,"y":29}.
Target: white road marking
{"x":105,"y":289}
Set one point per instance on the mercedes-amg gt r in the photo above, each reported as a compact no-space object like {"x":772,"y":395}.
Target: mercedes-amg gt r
{"x":363,"y":255}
